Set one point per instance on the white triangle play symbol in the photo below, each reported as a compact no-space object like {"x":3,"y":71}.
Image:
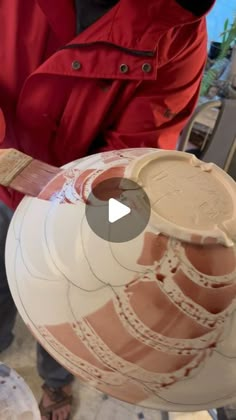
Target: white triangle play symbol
{"x":117,"y":210}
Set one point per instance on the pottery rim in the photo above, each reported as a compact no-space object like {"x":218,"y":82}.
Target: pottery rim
{"x":223,"y":232}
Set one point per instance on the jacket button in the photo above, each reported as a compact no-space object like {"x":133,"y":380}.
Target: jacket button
{"x":146,"y":67}
{"x":124,"y":68}
{"x":76,"y":65}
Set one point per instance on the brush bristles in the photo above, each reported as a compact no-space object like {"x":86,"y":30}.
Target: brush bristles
{"x":34,"y":178}
{"x":12,"y":162}
{"x":23,"y":173}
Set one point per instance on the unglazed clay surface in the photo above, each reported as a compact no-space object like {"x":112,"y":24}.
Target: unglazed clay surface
{"x":16,"y":400}
{"x":150,"y":321}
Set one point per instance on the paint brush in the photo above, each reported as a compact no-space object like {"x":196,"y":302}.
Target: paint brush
{"x":23,"y":173}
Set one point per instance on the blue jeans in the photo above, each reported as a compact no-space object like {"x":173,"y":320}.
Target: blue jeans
{"x":53,"y":374}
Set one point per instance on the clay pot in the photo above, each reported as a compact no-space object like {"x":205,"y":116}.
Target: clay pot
{"x":214,"y":50}
{"x":150,"y":321}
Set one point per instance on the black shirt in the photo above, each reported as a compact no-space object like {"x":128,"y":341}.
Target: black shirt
{"x":88,"y":11}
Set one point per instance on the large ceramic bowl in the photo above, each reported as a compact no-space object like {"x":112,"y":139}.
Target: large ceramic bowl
{"x":150,"y":321}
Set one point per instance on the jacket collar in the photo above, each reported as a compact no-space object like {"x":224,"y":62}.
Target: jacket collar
{"x":132,"y":24}
{"x":137,"y":24}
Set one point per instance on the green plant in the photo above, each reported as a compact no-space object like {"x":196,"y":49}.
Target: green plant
{"x":228,"y":40}
{"x":228,"y":37}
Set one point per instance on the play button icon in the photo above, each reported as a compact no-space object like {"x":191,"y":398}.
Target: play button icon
{"x":117,"y":210}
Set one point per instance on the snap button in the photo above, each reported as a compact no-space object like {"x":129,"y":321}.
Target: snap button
{"x":146,"y":67}
{"x":76,"y":65}
{"x":124,"y":68}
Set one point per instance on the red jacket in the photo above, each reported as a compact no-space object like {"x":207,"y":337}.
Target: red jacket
{"x":131,"y":79}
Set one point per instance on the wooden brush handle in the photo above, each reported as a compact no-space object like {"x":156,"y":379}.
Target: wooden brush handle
{"x":12,"y":163}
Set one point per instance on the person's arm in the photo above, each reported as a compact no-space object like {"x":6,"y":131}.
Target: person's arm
{"x":158,"y":112}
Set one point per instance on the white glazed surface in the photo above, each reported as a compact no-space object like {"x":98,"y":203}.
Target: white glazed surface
{"x":61,"y":273}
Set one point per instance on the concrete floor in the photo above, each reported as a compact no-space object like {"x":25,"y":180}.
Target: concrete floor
{"x":89,"y":404}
